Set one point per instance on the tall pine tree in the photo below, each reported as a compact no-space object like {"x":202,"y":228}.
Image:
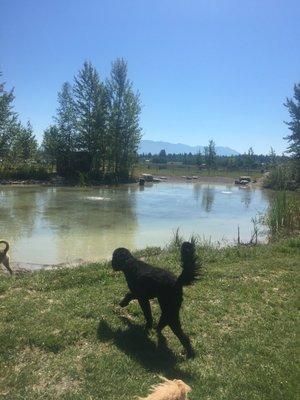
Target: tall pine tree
{"x":24,"y":146}
{"x":124,"y":127}
{"x":210,"y":154}
{"x":293,"y":107}
{"x":66,"y":124}
{"x":8,"y":121}
{"x":51,"y":145}
{"x":91,"y":112}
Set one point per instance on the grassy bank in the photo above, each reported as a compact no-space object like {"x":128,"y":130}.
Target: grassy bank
{"x":63,"y":336}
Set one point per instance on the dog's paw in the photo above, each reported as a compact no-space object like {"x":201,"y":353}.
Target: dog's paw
{"x":190,"y":354}
{"x":123,"y":303}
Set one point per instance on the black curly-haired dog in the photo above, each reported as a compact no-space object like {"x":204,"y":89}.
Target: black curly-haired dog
{"x":147,"y":282}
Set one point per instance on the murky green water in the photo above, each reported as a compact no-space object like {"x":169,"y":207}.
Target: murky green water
{"x":52,"y":225}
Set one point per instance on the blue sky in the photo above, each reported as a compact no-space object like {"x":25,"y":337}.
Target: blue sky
{"x":205,"y":69}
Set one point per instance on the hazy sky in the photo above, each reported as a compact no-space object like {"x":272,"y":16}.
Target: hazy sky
{"x":205,"y":69}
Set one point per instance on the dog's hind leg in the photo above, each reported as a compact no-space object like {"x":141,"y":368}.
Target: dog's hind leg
{"x":146,"y":308}
{"x":175,"y":325}
{"x":165,"y":315}
{"x":162,"y":323}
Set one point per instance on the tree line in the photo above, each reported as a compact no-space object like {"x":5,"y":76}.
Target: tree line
{"x":210,"y":160}
{"x":18,"y":145}
{"x":96,"y":129}
{"x":97,"y":120}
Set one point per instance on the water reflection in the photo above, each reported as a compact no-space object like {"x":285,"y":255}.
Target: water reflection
{"x":197,"y":190}
{"x":208,"y":196}
{"x":67,"y":223}
{"x":98,"y":224}
{"x":18,"y":213}
{"x":247,"y":194}
{"x":205,"y":193}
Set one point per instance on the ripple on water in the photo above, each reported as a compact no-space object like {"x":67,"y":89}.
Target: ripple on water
{"x":98,"y":198}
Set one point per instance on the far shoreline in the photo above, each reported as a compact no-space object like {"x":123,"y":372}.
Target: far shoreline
{"x":163,"y":178}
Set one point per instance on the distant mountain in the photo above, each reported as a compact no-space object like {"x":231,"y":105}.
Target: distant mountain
{"x":153,"y":147}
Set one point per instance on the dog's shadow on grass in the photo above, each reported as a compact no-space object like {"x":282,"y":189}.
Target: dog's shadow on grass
{"x":134,"y":341}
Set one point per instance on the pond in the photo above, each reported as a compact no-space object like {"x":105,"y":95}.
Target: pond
{"x":50,"y":225}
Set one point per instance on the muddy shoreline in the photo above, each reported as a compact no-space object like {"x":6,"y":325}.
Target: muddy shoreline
{"x":165,"y":178}
{"x":26,"y":267}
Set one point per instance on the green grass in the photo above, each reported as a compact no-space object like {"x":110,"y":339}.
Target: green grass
{"x":283,"y":216}
{"x":178,"y":171}
{"x":63,"y":336}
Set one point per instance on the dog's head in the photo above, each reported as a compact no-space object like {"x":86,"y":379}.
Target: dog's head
{"x":121,"y":259}
{"x":183,"y":387}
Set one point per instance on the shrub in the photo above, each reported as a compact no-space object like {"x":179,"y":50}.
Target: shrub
{"x":283,"y":177}
{"x":283,"y":216}
{"x":24,"y":172}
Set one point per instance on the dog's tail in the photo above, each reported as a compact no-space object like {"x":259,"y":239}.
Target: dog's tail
{"x":190,"y":267}
{"x":6,"y":246}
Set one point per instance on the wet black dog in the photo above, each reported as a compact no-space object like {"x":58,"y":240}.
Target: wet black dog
{"x":147,"y":282}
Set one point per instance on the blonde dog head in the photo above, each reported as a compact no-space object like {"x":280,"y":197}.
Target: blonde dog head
{"x":169,"y":390}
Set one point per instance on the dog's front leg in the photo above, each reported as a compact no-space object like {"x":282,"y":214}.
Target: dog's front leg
{"x":145,"y":306}
{"x":5,"y":262}
{"x":127,"y":299}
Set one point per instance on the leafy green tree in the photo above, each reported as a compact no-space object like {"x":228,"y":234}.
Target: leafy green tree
{"x":199,"y":159}
{"x":293,"y":139}
{"x":249,"y":158}
{"x":293,"y":107}
{"x":66,"y":118}
{"x":24,"y":146}
{"x":124,"y":127}
{"x":231,"y":162}
{"x":91,"y":104}
{"x":272,"y":156}
{"x":51,"y":145}
{"x":162,"y":153}
{"x":66,"y":124}
{"x":8,"y":121}
{"x":161,"y":158}
{"x":210,"y":154}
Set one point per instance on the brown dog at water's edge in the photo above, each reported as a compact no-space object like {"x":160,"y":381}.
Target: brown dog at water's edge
{"x":4,"y":257}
